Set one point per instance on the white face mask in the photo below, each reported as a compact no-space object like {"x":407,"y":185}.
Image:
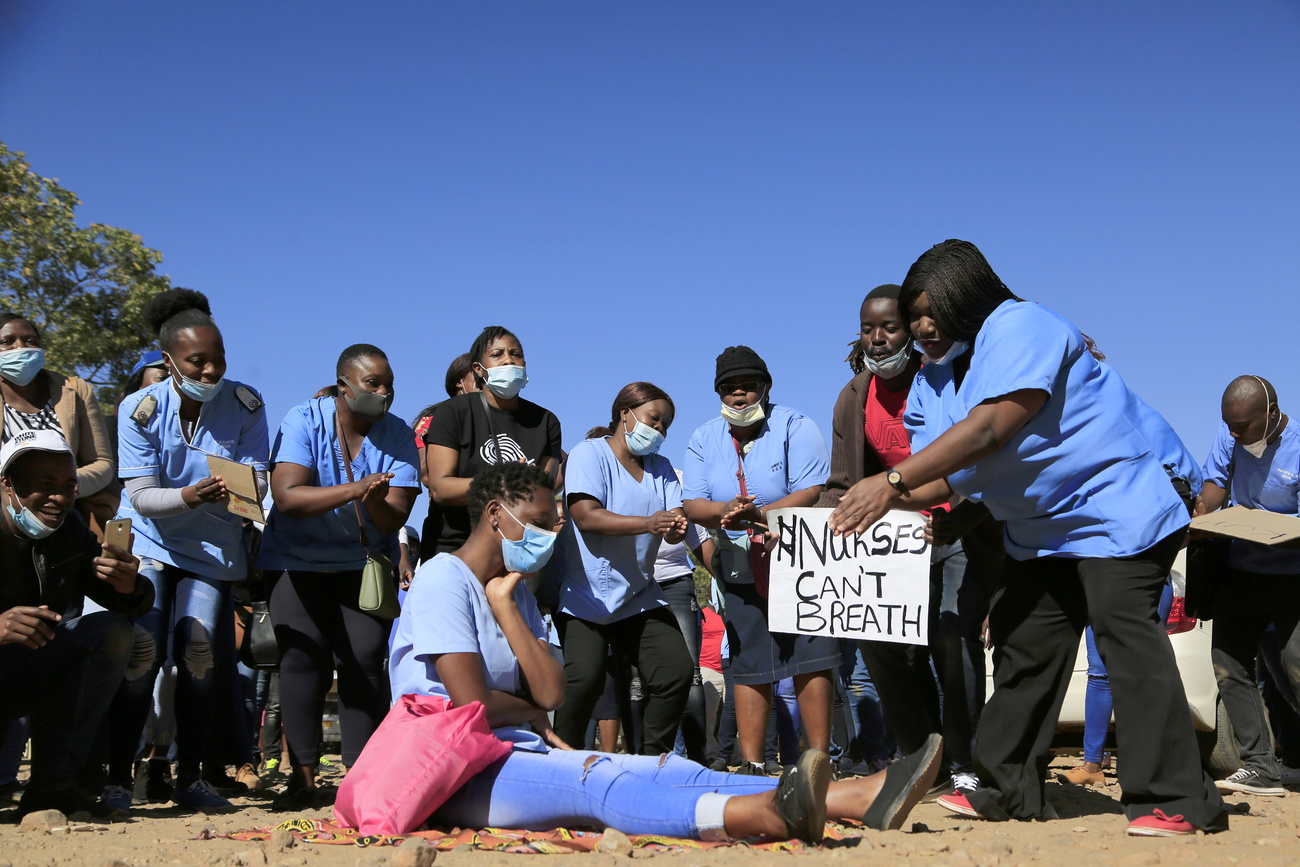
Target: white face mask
{"x":751,"y":414}
{"x":888,"y":368}
{"x":957,"y":348}
{"x":1256,"y":449}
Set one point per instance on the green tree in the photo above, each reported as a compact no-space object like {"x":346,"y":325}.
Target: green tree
{"x":83,"y":288}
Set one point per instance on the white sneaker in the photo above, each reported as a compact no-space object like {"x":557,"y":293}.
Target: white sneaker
{"x":965,"y":782}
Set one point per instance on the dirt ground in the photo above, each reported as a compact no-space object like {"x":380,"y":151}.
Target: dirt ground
{"x":1265,"y":831}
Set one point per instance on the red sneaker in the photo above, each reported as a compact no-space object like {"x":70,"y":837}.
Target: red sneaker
{"x":1160,"y":825}
{"x":955,"y":802}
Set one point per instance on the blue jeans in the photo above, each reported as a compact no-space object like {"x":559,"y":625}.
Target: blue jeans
{"x":680,"y":593}
{"x":1097,"y":703}
{"x":871,"y":738}
{"x":194,"y":613}
{"x":635,"y":794}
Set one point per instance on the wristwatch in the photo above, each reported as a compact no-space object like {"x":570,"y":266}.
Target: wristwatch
{"x":895,"y":479}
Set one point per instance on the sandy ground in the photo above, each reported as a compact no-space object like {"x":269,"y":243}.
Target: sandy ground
{"x":1091,"y":831}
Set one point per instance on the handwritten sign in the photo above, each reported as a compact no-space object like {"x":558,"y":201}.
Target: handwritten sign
{"x":1253,"y":525}
{"x":873,"y":586}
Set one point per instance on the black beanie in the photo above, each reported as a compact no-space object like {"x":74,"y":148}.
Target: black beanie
{"x":740,"y":361}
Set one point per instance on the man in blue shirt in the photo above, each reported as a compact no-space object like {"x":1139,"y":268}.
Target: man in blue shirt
{"x":1255,"y":462}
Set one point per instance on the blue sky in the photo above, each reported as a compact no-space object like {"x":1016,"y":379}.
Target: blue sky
{"x":633,"y":186}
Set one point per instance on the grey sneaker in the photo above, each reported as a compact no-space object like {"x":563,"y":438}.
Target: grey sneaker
{"x":1250,"y":782}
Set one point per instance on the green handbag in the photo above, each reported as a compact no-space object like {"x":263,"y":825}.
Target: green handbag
{"x":378,"y":580}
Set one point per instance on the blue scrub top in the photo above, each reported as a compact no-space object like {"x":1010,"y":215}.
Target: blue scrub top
{"x":1085,"y":477}
{"x":1270,"y":482}
{"x":788,"y":455}
{"x":206,"y":540}
{"x":610,"y":578}
{"x":447,"y":611}
{"x":331,"y":542}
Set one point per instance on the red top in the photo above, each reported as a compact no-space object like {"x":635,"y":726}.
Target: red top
{"x":711,"y":644}
{"x":883,"y":424}
{"x":422,"y":428}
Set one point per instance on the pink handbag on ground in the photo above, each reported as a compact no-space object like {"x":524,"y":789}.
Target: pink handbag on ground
{"x":422,"y":752}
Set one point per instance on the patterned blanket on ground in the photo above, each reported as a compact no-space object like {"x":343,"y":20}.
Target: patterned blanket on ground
{"x":560,"y":841}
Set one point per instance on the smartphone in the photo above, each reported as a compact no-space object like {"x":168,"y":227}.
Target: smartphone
{"x":118,"y":534}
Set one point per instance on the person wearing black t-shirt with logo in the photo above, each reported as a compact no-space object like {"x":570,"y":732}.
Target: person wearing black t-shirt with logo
{"x":471,"y":432}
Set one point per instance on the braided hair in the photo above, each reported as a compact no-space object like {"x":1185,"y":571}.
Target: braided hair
{"x":169,"y":313}
{"x":509,"y":483}
{"x":962,"y":289}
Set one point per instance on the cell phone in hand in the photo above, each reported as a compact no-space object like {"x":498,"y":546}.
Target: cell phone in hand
{"x":118,"y":534}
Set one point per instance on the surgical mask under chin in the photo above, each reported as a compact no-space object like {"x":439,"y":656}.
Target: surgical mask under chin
{"x":530,"y":553}
{"x":28,"y":524}
{"x":642,"y":439}
{"x":1256,"y":449}
{"x":20,"y":366}
{"x":957,"y":348}
{"x":200,"y":391}
{"x":750,"y":415}
{"x":507,"y":380}
{"x":369,"y":405}
{"x":888,"y":368}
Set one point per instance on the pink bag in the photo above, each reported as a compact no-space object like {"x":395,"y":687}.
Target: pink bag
{"x":422,"y":752}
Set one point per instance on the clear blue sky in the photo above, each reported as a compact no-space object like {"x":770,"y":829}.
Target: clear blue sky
{"x":632,"y":186}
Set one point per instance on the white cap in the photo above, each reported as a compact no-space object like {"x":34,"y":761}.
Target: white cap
{"x":31,"y":440}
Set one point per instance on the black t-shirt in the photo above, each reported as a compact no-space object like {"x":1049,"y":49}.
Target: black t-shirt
{"x":483,"y":435}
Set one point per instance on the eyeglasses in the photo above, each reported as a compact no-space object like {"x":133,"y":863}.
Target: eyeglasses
{"x":749,"y":385}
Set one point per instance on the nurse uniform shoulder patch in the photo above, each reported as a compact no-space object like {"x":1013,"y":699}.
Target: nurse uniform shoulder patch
{"x":144,"y":410}
{"x":251,"y":402}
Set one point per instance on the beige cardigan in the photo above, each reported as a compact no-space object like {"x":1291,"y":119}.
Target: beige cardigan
{"x":83,"y":425}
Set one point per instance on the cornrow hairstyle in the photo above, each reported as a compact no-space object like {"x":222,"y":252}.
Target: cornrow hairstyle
{"x":169,"y":313}
{"x":961,"y":286}
{"x":355,"y":353}
{"x":508,"y":483}
{"x":6,"y":317}
{"x":631,"y":396}
{"x":456,"y":371}
{"x":857,"y":354}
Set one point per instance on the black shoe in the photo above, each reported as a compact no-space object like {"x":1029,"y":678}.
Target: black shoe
{"x":297,"y":798}
{"x":68,"y":802}
{"x":153,"y":782}
{"x":225,"y":784}
{"x":906,"y":781}
{"x":9,"y":792}
{"x":801,"y":796}
{"x":749,"y":769}
{"x":773,"y":768}
{"x":719,"y":766}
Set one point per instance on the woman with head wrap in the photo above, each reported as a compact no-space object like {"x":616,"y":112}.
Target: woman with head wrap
{"x":1079,"y":469}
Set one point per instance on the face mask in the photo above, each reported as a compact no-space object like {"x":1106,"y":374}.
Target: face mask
{"x":200,"y":391}
{"x":369,"y":405}
{"x":751,"y":414}
{"x":957,"y":348}
{"x":530,"y":553}
{"x":28,"y":524}
{"x":888,"y":368}
{"x":507,"y":380}
{"x":1256,"y":449}
{"x":642,"y":439}
{"x":20,"y":366}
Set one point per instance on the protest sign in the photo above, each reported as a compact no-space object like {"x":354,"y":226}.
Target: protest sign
{"x":872,"y":586}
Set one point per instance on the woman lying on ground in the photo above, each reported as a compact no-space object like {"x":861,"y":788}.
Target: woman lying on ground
{"x":476,"y":635}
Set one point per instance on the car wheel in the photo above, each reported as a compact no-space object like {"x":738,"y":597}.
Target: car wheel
{"x":1219,"y":753}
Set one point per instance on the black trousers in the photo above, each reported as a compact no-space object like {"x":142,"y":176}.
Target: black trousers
{"x":1243,"y":608}
{"x":653,"y":642}
{"x":1036,"y":622}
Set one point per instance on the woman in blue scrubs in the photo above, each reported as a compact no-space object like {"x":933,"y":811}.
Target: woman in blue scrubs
{"x":313,"y":538}
{"x":756,"y":456}
{"x":623,"y":501}
{"x":1080,"y":469}
{"x":189,"y":545}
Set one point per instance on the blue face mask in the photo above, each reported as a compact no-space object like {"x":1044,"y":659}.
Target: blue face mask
{"x":507,"y":380}
{"x":957,"y":348}
{"x":20,"y":366}
{"x":530,"y":553}
{"x":200,"y":391}
{"x":28,"y":524}
{"x":642,"y":439}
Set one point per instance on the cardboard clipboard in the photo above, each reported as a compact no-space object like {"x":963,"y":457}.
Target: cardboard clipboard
{"x":1253,"y":525}
{"x":242,"y":485}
